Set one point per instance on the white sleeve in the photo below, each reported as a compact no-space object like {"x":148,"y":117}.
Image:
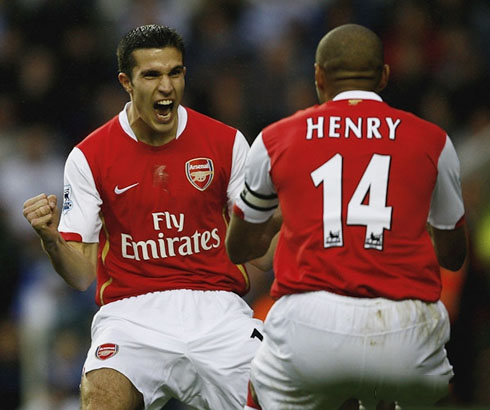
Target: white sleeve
{"x":81,"y":200}
{"x":258,"y":199}
{"x":240,"y":151}
{"x":447,"y":206}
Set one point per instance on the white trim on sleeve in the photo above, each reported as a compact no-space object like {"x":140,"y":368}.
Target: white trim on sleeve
{"x":258,"y":199}
{"x":81,"y":202}
{"x":237,"y":174}
{"x":447,"y":206}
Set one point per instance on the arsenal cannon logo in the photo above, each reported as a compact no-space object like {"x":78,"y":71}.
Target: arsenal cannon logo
{"x":200,"y":172}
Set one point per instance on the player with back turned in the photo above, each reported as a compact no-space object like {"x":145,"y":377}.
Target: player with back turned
{"x":145,"y":212}
{"x":371,"y":205}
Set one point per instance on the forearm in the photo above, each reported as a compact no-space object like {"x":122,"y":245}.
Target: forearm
{"x":74,"y":263}
{"x":265,"y":262}
{"x":268,"y":242}
{"x":255,"y":253}
{"x":246,"y":241}
{"x":450,"y":246}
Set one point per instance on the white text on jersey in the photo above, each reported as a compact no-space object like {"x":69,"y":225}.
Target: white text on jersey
{"x":368,"y":128}
{"x":163,"y":246}
{"x":171,"y":220}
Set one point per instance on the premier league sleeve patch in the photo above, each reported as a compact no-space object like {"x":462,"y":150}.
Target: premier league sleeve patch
{"x":200,"y":172}
{"x":106,"y":351}
{"x":67,"y":202}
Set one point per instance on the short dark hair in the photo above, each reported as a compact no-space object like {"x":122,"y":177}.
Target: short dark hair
{"x":147,"y":36}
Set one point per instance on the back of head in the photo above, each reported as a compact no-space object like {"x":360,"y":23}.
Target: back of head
{"x":351,"y":57}
{"x":147,"y":36}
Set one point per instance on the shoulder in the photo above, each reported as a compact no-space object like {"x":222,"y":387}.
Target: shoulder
{"x":298,"y":118}
{"x":104,"y":135}
{"x":282,"y":130}
{"x":419,"y":121}
{"x":99,"y":145}
{"x":425,"y":134}
{"x":101,"y":133}
{"x":423,"y":125}
{"x":207,"y":123}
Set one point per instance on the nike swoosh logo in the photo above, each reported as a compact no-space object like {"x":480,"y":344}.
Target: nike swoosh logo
{"x":119,"y":191}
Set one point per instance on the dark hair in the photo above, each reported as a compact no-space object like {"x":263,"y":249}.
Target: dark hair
{"x":148,"y":36}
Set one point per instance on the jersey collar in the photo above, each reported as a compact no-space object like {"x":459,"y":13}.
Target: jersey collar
{"x":124,"y":121}
{"x":358,"y":95}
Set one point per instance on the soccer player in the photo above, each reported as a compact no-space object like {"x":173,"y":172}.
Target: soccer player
{"x":145,"y":212}
{"x":357,"y":276}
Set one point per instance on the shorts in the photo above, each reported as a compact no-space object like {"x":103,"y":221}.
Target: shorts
{"x":195,"y":346}
{"x":321,"y":349}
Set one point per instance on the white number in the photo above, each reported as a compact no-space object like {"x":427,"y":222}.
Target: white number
{"x":330,"y":174}
{"x":374,"y":214}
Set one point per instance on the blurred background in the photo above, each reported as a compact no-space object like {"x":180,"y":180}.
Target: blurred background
{"x":249,"y":62}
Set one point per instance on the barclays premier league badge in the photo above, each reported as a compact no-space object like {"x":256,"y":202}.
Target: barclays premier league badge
{"x":67,"y":202}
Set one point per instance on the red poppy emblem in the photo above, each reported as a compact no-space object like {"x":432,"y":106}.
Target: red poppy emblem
{"x":199,"y":172}
{"x":106,"y":351}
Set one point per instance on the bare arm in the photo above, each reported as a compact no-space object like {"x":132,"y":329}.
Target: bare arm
{"x":75,"y":262}
{"x":450,"y":246}
{"x":265,"y":262}
{"x":252,"y":242}
{"x":243,"y":240}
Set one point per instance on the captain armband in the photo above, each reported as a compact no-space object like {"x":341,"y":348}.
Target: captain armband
{"x":258,"y":201}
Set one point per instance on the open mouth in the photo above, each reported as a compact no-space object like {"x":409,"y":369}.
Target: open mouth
{"x":163,"y":109}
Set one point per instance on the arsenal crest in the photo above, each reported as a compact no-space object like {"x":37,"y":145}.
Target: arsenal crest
{"x":200,"y":172}
{"x":106,"y":351}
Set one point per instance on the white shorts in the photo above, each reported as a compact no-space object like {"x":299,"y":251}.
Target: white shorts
{"x":195,"y":346}
{"x":321,"y":349}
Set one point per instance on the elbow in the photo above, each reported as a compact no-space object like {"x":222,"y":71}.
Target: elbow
{"x":81,"y":285}
{"x":82,"y":281}
{"x":241,"y":256}
{"x":236,"y":255}
{"x":453,"y":261}
{"x":238,"y":252}
{"x":237,"y":260}
{"x":453,"y":266}
{"x":451,"y":247}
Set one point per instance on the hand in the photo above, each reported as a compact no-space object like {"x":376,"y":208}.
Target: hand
{"x":42,"y":213}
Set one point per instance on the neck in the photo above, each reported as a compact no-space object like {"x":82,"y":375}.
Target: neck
{"x":145,"y":133}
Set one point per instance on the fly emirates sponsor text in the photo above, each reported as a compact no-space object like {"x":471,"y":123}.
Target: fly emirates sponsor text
{"x":164,"y":246}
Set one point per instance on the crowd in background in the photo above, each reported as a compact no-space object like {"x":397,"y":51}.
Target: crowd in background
{"x":249,"y":63}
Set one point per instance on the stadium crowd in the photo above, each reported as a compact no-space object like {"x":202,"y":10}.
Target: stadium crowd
{"x":248,"y":64}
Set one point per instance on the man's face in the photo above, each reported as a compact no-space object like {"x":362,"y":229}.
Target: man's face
{"x":156,"y":89}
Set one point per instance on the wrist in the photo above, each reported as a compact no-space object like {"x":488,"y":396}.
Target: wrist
{"x":50,"y":244}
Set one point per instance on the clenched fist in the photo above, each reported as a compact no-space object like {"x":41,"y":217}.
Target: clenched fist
{"x":42,"y":213}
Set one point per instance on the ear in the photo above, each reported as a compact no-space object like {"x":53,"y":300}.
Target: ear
{"x":319,"y":78}
{"x":320,"y":84}
{"x":125,"y":82}
{"x":385,"y":75}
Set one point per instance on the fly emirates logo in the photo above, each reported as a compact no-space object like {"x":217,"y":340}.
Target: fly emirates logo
{"x":164,"y":246}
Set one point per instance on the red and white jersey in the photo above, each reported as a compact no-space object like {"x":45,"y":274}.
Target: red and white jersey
{"x":357,"y":182}
{"x":159,"y":214}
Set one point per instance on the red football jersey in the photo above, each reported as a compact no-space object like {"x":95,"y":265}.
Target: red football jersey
{"x":159,"y":214}
{"x":357,"y":181}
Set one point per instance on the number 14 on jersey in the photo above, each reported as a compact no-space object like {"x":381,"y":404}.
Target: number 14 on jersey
{"x":374,"y":215}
